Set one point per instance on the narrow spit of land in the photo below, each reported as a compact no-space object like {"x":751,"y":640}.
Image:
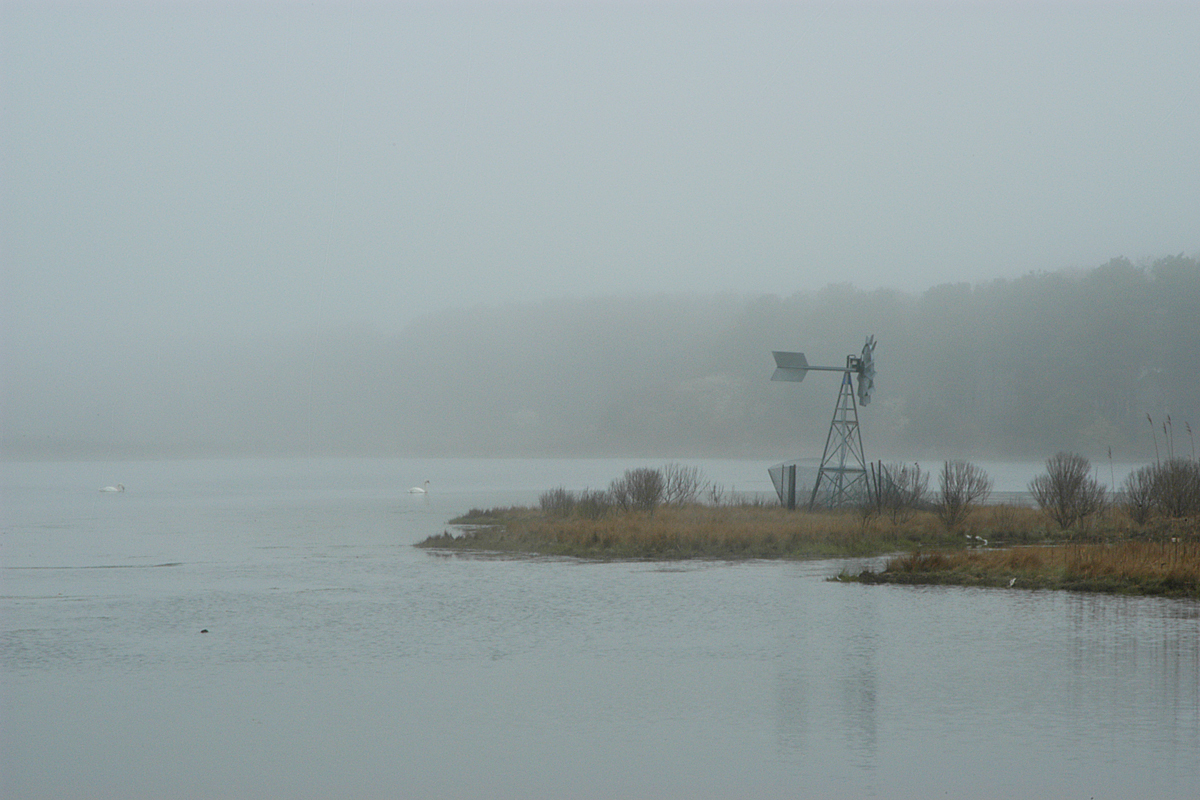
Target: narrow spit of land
{"x":1002,"y":546}
{"x":689,"y":531}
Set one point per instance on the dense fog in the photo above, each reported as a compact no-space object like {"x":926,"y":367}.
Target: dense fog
{"x":1013,"y":368}
{"x":350,"y":227}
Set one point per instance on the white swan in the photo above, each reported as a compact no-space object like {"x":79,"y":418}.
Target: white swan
{"x":120,"y":487}
{"x":422,"y":489}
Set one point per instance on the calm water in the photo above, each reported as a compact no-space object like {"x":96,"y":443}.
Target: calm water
{"x":341,"y":661}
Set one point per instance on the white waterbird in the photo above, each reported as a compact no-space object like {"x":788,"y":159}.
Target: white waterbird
{"x":120,"y":487}
{"x":422,"y":489}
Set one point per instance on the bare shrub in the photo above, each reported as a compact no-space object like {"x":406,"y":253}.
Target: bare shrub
{"x":593,"y":504}
{"x":682,"y":485}
{"x":1137,"y":494}
{"x":620,"y":492}
{"x":1067,"y":491}
{"x":1177,"y":488}
{"x":752,"y":500}
{"x":962,"y":486}
{"x":1004,"y":517}
{"x":902,"y":491}
{"x":638,"y":489}
{"x":558,"y":502}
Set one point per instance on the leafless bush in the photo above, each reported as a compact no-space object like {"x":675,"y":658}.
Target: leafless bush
{"x":1177,"y":488}
{"x":639,"y":489}
{"x":1067,"y":491}
{"x":558,"y":502}
{"x":902,"y":490}
{"x":1137,"y":494}
{"x":593,"y":504}
{"x":868,"y":508}
{"x":753,"y":500}
{"x":962,"y":485}
{"x":1004,"y":517}
{"x":682,"y":485}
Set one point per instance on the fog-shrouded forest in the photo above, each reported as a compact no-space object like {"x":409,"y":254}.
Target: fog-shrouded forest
{"x":1082,"y":360}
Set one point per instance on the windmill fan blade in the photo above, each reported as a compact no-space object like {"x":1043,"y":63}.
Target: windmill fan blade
{"x":866,"y":373}
{"x":866,"y":385}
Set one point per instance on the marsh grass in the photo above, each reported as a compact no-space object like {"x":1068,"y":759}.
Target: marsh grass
{"x":1024,"y":548}
{"x":730,"y":531}
{"x":1166,"y":567}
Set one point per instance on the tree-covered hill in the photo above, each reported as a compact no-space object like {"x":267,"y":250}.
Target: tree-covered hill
{"x":1073,"y":359}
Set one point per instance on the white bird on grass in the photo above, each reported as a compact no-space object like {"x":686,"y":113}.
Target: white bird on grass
{"x":120,"y":487}
{"x":422,"y":489}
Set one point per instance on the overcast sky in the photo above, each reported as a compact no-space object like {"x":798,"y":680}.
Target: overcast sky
{"x":229,"y":169}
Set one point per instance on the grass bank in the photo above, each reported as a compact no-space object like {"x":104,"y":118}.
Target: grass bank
{"x":1165,"y":567}
{"x":1143,"y":546}
{"x":730,"y":532}
{"x":1000,"y":545}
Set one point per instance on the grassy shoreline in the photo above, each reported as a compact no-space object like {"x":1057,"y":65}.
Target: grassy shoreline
{"x":997,"y":544}
{"x":1153,"y":568}
{"x":696,"y":531}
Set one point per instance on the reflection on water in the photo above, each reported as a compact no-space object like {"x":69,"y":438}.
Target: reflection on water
{"x":341,"y":660}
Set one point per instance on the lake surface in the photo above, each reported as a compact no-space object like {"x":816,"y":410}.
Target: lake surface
{"x":342,"y":661}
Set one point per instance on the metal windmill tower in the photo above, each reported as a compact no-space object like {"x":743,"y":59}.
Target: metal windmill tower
{"x":843,"y":469}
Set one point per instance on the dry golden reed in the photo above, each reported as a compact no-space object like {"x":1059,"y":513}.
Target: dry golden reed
{"x":1142,"y":567}
{"x":704,"y":531}
{"x":1109,"y":555}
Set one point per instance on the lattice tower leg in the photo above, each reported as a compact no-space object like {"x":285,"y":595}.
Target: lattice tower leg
{"x":843,"y":465}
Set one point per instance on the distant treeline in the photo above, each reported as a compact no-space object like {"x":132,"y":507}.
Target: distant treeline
{"x":1070,"y":360}
{"x":1077,"y":360}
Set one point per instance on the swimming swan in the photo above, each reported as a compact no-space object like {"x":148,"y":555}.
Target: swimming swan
{"x":120,"y":487}
{"x":424,"y":488}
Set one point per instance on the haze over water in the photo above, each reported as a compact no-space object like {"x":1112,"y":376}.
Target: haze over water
{"x":251,"y":228}
{"x":572,"y":229}
{"x":341,"y":660}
